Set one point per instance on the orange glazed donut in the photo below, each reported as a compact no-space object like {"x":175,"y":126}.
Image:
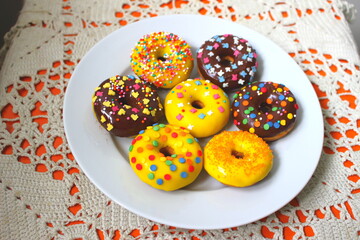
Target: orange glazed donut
{"x":237,"y":158}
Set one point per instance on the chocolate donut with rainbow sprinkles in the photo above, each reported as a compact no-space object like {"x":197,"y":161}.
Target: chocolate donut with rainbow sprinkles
{"x":124,"y":105}
{"x":267,"y":109}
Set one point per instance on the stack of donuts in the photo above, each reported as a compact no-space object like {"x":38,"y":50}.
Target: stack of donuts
{"x":165,"y":151}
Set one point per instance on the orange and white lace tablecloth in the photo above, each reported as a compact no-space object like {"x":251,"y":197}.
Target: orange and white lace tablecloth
{"x":45,"y":195}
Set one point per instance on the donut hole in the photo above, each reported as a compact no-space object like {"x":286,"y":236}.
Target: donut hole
{"x":167,"y":151}
{"x":236,"y":154}
{"x":161,"y":58}
{"x":227,"y":60}
{"x":124,"y":101}
{"x":197,"y":104}
{"x":265,"y":107}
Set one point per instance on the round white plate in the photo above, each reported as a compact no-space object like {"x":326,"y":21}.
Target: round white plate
{"x":205,"y":204}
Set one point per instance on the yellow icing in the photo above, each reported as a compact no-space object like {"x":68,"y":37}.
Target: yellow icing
{"x":237,"y":158}
{"x":166,"y":170}
{"x":163,"y":59}
{"x":181,"y":110}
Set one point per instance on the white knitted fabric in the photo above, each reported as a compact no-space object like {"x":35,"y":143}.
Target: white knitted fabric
{"x":44,"y":194}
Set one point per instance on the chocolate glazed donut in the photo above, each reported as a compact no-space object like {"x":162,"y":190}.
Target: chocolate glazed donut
{"x":265,"y":108}
{"x":125,"y":105}
{"x":228,"y":61}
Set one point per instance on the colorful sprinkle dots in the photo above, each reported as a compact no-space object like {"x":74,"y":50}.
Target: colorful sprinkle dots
{"x":184,"y":174}
{"x":173,"y":167}
{"x":273,"y":109}
{"x":179,"y":116}
{"x":138,"y":166}
{"x":153,"y":167}
{"x":176,"y":63}
{"x":201,"y":115}
{"x":159,"y":181}
{"x":166,"y":165}
{"x":155,"y":143}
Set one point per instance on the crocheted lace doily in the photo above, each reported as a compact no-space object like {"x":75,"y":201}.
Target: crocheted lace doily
{"x":45,"y":195}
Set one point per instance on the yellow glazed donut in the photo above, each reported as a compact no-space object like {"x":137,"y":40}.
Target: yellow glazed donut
{"x":166,"y":157}
{"x":198,"y":105}
{"x":237,"y":158}
{"x":162,"y":58}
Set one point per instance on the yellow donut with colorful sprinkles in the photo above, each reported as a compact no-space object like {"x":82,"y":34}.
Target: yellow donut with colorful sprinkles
{"x":198,"y":105}
{"x":166,"y":157}
{"x":163,"y":59}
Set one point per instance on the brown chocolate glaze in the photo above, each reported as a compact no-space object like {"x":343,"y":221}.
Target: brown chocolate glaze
{"x":265,"y":108}
{"x":125,"y":105}
{"x":228,"y":61}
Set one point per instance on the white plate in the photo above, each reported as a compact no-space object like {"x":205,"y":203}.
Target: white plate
{"x":206,"y":204}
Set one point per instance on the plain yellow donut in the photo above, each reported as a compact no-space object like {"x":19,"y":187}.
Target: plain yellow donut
{"x":238,"y":158}
{"x":198,"y":105}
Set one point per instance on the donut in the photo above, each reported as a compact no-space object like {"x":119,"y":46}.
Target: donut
{"x":199,"y":106}
{"x":166,"y":157}
{"x":228,"y":61}
{"x":267,"y":109}
{"x":124,"y":105}
{"x":163,"y":59}
{"x":237,"y":158}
